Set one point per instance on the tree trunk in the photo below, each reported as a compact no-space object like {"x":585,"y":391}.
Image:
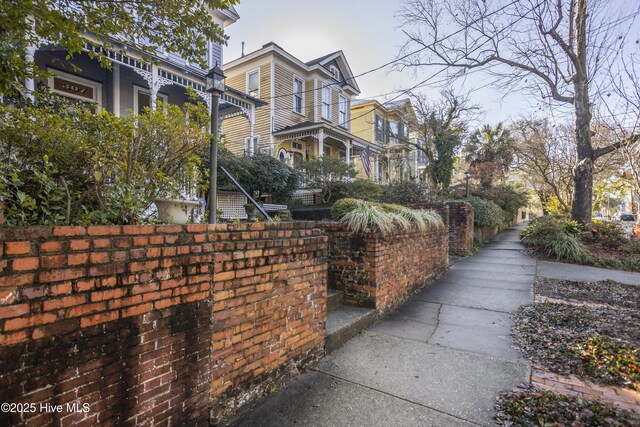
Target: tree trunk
{"x":583,"y":170}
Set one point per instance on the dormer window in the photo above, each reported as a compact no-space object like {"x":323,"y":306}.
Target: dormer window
{"x":335,"y":72}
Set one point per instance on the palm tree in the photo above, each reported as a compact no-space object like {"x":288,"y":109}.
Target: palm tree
{"x":489,"y":151}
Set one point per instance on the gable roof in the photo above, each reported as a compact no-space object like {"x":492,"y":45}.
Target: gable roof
{"x":322,"y":58}
{"x":317,"y":64}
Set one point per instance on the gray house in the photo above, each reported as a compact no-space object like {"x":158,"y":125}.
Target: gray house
{"x":132,"y":84}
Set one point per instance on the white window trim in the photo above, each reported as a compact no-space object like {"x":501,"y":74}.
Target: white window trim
{"x":326,"y":86}
{"x":302,"y":94}
{"x":139,"y":89}
{"x":247,"y":81}
{"x":346,"y":110}
{"x":97,"y":87}
{"x":256,"y":146}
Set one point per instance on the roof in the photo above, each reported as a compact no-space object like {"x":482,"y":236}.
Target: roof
{"x":323,"y":58}
{"x":313,"y":65}
{"x":257,"y":102}
{"x":312,"y":126}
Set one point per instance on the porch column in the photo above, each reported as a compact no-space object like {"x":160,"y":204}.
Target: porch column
{"x":116,"y":89}
{"x":154,"y":87}
{"x":377,"y":168}
{"x":252,"y":119}
{"x":30,"y":83}
{"x":348,"y":145}
{"x":321,"y":143}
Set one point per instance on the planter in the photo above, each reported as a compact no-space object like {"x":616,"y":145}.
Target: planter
{"x":176,"y":211}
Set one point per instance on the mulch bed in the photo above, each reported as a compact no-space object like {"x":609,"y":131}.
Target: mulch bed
{"x":605,"y":292}
{"x":531,"y":407}
{"x":598,"y":343}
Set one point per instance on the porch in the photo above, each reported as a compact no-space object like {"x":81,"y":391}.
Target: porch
{"x":308,"y":140}
{"x":133,"y":84}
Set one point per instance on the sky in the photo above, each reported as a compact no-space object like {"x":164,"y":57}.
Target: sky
{"x":369,"y":33}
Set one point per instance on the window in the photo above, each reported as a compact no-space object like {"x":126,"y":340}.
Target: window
{"x":393,"y":131}
{"x":335,"y":72}
{"x":256,"y":144}
{"x":326,"y":150}
{"x":379,"y":129}
{"x":253,"y":83}
{"x":282,"y":155}
{"x":326,"y":102}
{"x":74,"y":87}
{"x":298,"y":95}
{"x":342,"y":116}
{"x":142,"y":99}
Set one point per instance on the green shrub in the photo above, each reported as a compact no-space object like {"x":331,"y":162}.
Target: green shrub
{"x":110,"y":168}
{"x":424,"y":219}
{"x":509,"y":198}
{"x":632,"y":246}
{"x":604,"y":233}
{"x":486,"y":212}
{"x":556,"y":238}
{"x":366,"y":217}
{"x":343,"y":206}
{"x":362,"y":189}
{"x":554,"y":221}
{"x":406,"y":193}
{"x":46,"y":205}
{"x":361,"y":216}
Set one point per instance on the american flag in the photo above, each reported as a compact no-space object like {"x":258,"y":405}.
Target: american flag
{"x":366,"y":163}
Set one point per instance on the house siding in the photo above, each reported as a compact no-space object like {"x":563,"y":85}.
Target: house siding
{"x":236,"y":129}
{"x":310,"y":97}
{"x":283,"y":104}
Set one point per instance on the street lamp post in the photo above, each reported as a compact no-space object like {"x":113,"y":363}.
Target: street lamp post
{"x":215,"y":86}
{"x":467,"y":174}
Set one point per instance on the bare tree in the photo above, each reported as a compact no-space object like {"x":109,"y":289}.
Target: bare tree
{"x":551,"y":48}
{"x":544,"y":158}
{"x":622,"y":116}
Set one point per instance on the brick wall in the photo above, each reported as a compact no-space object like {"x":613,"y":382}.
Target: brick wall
{"x":142,"y":322}
{"x":381,"y":272}
{"x":461,"y":217}
{"x":269,"y":310}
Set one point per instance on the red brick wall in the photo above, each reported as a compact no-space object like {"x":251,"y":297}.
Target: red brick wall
{"x":127,"y":318}
{"x":381,"y":272}
{"x":461,"y":230}
{"x":269,"y":310}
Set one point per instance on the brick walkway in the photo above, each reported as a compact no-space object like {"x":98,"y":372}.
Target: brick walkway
{"x":624,"y":398}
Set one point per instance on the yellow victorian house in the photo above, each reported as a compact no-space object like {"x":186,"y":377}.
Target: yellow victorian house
{"x":389,"y":126}
{"x":309,"y":113}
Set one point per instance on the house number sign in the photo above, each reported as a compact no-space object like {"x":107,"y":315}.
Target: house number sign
{"x":75,"y":88}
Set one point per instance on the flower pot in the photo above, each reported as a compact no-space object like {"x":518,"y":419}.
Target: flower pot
{"x":176,"y":211}
{"x":251,"y":211}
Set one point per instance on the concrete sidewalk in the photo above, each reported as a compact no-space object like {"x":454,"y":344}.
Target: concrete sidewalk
{"x":578,"y":273}
{"x":439,"y":360}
